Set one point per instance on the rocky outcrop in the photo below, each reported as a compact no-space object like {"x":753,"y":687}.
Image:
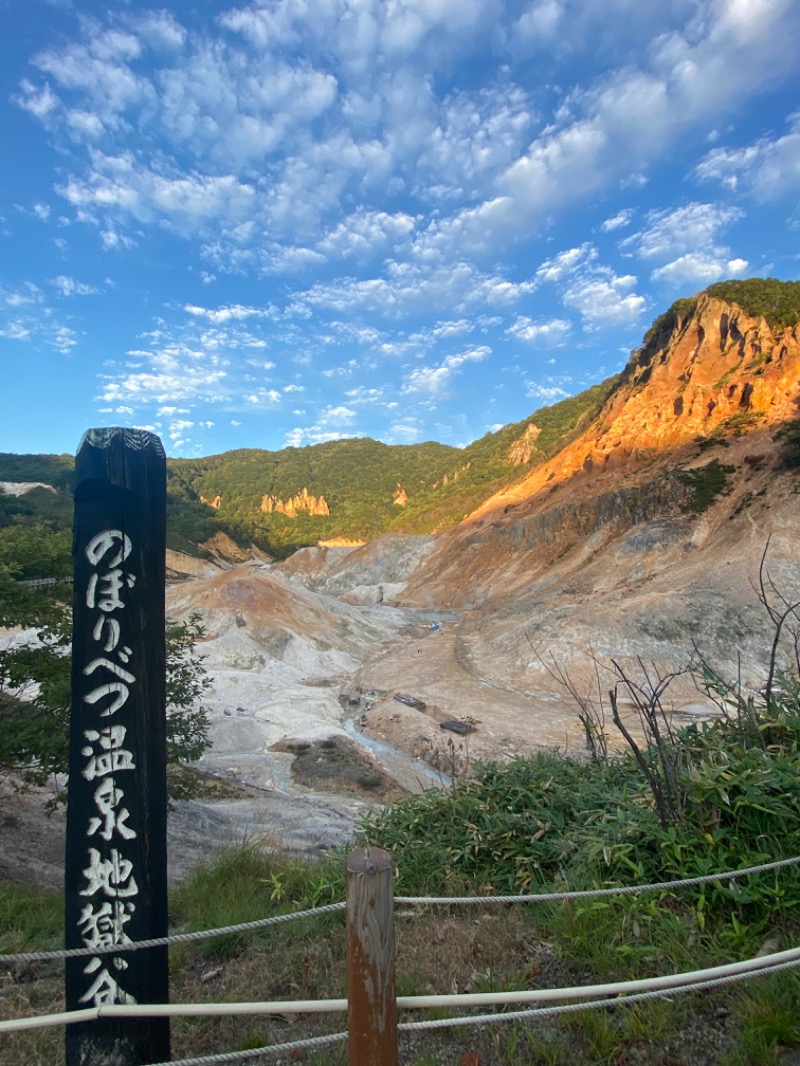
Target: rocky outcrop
{"x":400,"y":496}
{"x":21,"y":488}
{"x":221,"y":546}
{"x":303,"y":501}
{"x":447,"y":478}
{"x":523,"y":448}
{"x":216,"y":502}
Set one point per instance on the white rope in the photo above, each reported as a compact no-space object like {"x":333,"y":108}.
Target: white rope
{"x":177,"y":938}
{"x":261,"y":923}
{"x":791,"y":956}
{"x":476,"y":1019}
{"x":593,"y":893}
{"x":571,"y":1008}
{"x":255,"y":1053}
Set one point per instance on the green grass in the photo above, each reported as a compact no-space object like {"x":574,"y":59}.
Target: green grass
{"x":31,"y":919}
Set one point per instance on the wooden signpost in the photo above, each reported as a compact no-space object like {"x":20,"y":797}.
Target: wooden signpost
{"x":116,"y":852}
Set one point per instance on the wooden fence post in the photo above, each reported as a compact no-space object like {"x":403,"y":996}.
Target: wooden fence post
{"x":371,"y":996}
{"x":116,"y":854}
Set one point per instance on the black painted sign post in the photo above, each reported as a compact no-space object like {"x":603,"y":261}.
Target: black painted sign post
{"x":116,"y":855}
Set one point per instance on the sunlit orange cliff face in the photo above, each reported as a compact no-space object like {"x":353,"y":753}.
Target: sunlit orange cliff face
{"x":715,"y":369}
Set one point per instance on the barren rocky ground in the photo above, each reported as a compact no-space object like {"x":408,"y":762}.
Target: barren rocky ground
{"x":473,"y":626}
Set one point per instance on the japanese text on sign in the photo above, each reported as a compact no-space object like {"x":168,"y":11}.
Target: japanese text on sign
{"x":109,"y":886}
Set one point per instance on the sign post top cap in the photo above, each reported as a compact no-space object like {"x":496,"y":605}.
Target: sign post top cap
{"x":135,"y":439}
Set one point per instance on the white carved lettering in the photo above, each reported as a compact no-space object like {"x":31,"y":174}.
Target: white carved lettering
{"x":103,"y":542}
{"x":113,"y":876}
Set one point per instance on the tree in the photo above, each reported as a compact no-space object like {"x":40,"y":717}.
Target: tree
{"x":35,"y":686}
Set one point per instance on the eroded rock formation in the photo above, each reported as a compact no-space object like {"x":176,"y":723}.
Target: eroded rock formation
{"x":303,"y":501}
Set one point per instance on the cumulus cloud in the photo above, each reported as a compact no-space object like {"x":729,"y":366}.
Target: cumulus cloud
{"x":365,"y":233}
{"x":548,"y":390}
{"x":70,"y":287}
{"x":344,"y":104}
{"x":233,"y":312}
{"x":173,"y":374}
{"x":680,"y":230}
{"x":333,"y":423}
{"x":688,"y":241}
{"x":622,"y":218}
{"x":565,"y":263}
{"x":769,"y":167}
{"x":606,"y":301}
{"x":698,"y":268}
{"x":409,"y":287}
{"x":434,"y":380}
{"x":603,"y":297}
{"x":547,"y":333}
{"x":631,"y":117}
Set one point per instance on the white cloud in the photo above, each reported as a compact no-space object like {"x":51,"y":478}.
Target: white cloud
{"x":548,"y":333}
{"x":410,"y":286}
{"x":540,"y":22}
{"x":606,"y":301}
{"x":159,"y":29}
{"x":407,"y":431}
{"x":630,"y":118}
{"x":433,"y":381}
{"x":602,"y":297}
{"x":364,"y":395}
{"x":121,"y":187}
{"x":622,"y":218}
{"x":233,"y":312}
{"x":39,"y":102}
{"x":684,"y":229}
{"x":687,"y":240}
{"x":177,"y":430}
{"x":337,"y":414}
{"x":15,"y":331}
{"x":769,"y":168}
{"x":546,"y":390}
{"x":25,"y":315}
{"x":263,"y":396}
{"x":699,"y":268}
{"x":174,"y":376}
{"x":566,"y":263}
{"x":366,"y":233}
{"x":70,"y":287}
{"x":477,"y":136}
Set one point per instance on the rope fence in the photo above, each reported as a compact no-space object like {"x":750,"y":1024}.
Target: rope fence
{"x":177,"y":938}
{"x":371,"y":1002}
{"x":330,"y":908}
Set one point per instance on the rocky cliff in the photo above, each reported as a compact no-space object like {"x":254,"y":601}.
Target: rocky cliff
{"x":301,"y":501}
{"x":708,"y":374}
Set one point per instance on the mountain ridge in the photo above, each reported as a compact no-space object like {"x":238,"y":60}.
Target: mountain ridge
{"x":709,"y":369}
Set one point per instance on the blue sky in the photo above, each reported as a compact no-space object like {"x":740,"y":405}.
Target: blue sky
{"x":282,"y":222}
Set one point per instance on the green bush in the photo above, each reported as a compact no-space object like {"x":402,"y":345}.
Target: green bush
{"x":706,"y":483}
